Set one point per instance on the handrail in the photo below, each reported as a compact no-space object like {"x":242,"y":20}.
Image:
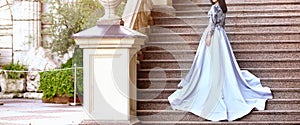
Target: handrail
{"x":137,"y":14}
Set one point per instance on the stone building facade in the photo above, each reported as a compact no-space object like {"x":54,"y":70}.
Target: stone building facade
{"x":21,"y":30}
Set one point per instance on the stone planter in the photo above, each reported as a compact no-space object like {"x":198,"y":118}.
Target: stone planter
{"x":33,"y":81}
{"x":13,"y":85}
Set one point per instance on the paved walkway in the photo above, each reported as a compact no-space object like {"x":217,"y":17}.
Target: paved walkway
{"x":34,"y":112}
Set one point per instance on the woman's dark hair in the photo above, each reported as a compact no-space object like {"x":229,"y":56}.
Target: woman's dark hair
{"x":222,"y":4}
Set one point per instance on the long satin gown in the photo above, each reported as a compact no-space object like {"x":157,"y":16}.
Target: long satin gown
{"x":215,"y":88}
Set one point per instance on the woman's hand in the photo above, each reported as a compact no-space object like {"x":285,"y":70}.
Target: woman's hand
{"x":179,"y":87}
{"x":208,"y":40}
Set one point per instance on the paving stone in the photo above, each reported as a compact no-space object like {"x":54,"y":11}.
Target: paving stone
{"x":34,"y":112}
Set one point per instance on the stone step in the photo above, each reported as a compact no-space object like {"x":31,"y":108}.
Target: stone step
{"x":184,"y":1}
{"x":171,"y":83}
{"x":219,"y":123}
{"x":259,"y":72}
{"x":243,"y":63}
{"x":235,"y":20}
{"x":249,"y":45}
{"x":233,"y":36}
{"x":199,"y":28}
{"x":278,"y":93}
{"x":239,"y":54}
{"x":172,"y":45}
{"x":233,"y":6}
{"x":273,"y":104}
{"x":269,"y":44}
{"x":244,"y":12}
{"x":265,"y":115}
{"x":267,"y":54}
{"x":254,"y":28}
{"x":151,"y":54}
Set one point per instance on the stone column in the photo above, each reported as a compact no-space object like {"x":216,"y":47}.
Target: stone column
{"x":163,"y":7}
{"x":26,"y":28}
{"x":109,"y":61}
{"x":6,"y":31}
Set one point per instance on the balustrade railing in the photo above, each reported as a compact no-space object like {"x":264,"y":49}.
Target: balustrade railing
{"x":137,"y":15}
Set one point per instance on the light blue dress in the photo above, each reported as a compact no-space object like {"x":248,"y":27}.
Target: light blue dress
{"x":216,"y":88}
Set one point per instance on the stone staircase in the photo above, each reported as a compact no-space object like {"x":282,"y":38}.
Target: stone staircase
{"x":265,"y":37}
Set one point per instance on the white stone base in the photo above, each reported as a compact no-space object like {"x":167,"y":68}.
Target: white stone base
{"x":33,"y":95}
{"x":28,"y":95}
{"x":10,"y":95}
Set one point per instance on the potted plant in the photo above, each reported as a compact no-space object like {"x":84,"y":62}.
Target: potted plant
{"x":57,"y":86}
{"x":13,"y":78}
{"x":77,"y":59}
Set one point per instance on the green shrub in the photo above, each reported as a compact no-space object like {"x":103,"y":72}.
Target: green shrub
{"x":78,"y":60}
{"x":79,"y":81}
{"x":57,"y":82}
{"x":61,"y":82}
{"x":15,"y":67}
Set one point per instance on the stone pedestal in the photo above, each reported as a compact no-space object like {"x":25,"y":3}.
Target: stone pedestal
{"x":110,"y":16}
{"x":109,"y":73}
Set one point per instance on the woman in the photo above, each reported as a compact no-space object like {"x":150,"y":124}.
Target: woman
{"x":215,"y":88}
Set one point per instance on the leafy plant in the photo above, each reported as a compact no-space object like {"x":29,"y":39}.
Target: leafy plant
{"x":62,"y":81}
{"x":68,"y":64}
{"x":69,"y":18}
{"x":79,"y":81}
{"x":15,"y":67}
{"x":57,"y":82}
{"x":121,"y":8}
{"x":78,"y":60}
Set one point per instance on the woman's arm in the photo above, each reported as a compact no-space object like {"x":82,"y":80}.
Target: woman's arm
{"x":212,"y":24}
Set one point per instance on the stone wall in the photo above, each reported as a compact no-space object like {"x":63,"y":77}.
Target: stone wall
{"x":26,"y":27}
{"x":6,"y":31}
{"x":21,"y":29}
